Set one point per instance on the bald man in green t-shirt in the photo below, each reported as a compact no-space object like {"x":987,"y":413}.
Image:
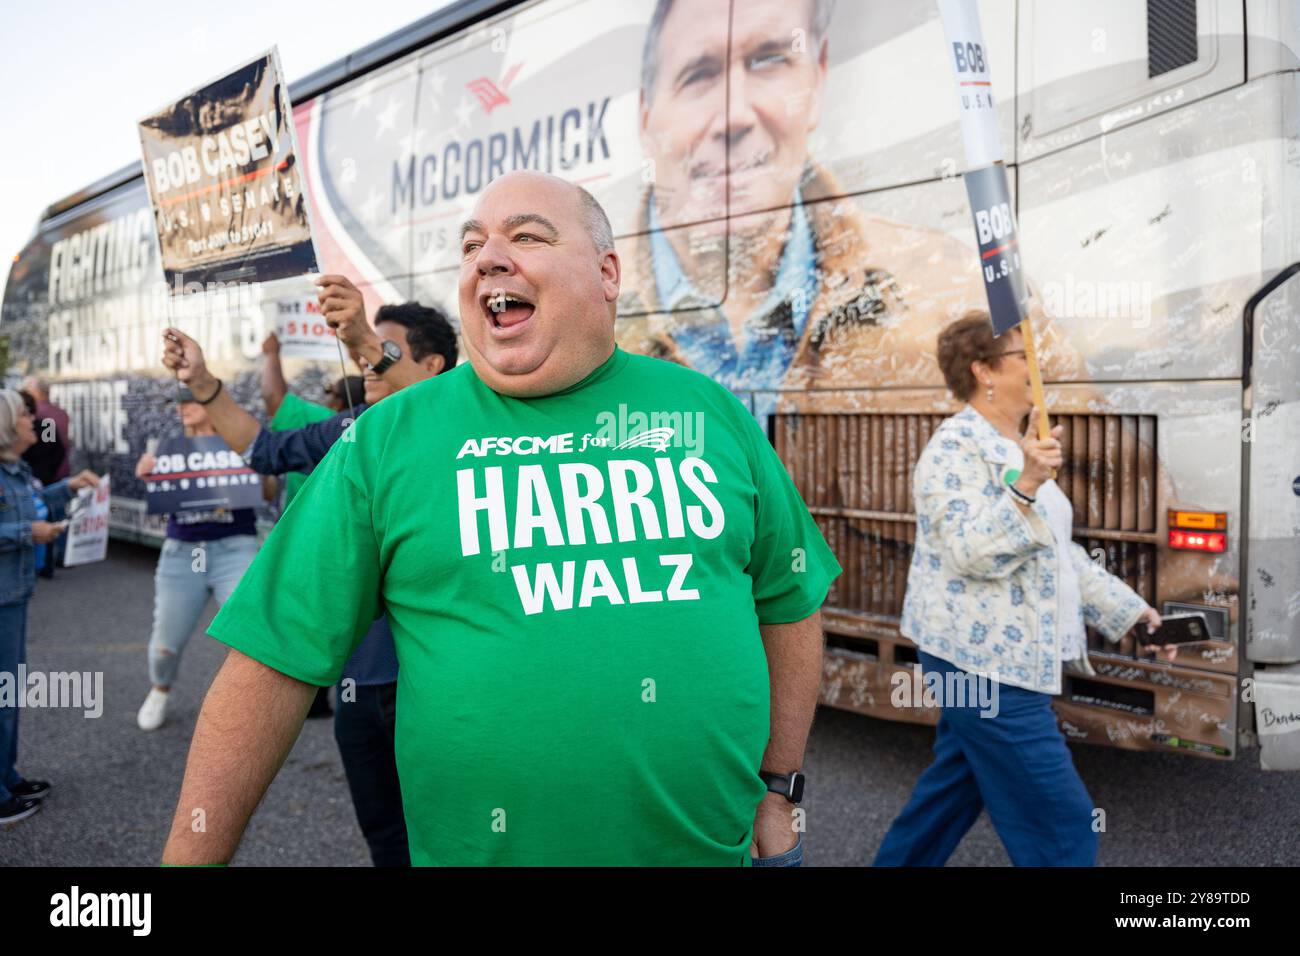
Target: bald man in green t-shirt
{"x":603,"y":587}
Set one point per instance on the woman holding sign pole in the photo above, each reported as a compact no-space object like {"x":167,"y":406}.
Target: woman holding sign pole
{"x":206,"y":552}
{"x":998,"y":596}
{"x":21,"y":530}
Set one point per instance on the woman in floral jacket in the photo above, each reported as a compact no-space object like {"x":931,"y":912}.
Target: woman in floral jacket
{"x":997,"y":599}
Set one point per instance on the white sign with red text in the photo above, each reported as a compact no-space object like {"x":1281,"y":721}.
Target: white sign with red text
{"x":302,"y":331}
{"x":88,"y":526}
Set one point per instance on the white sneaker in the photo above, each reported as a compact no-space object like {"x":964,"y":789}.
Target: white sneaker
{"x":153,"y":710}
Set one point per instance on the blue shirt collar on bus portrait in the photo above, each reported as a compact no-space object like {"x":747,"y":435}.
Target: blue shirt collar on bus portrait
{"x":762,"y":359}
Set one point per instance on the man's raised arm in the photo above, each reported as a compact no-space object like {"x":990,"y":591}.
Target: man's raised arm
{"x":298,"y":449}
{"x":250,"y":719}
{"x":344,"y":310}
{"x":274,"y":387}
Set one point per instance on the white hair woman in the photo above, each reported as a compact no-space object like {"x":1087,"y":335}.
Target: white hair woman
{"x":24,"y":505}
{"x":998,"y":596}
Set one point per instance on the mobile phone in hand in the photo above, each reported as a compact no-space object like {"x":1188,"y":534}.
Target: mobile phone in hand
{"x":1178,"y":629}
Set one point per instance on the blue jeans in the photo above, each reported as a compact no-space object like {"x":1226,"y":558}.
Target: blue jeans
{"x":1016,"y":765}
{"x":791,"y":857}
{"x":181,"y":586}
{"x":13,"y":651}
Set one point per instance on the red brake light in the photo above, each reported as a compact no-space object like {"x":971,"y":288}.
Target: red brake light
{"x":1213,"y":542}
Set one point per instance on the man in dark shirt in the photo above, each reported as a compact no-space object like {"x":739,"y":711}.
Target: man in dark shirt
{"x":409,"y":343}
{"x":50,"y":457}
{"x":287,"y":411}
{"x":51,"y":420}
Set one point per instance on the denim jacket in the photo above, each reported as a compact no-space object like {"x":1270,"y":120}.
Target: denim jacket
{"x":981,"y":591}
{"x":17,"y":512}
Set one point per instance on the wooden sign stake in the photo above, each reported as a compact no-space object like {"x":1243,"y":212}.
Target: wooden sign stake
{"x":1036,"y":380}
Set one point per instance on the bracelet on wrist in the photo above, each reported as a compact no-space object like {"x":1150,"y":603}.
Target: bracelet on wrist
{"x":211,"y":398}
{"x":1020,"y":496}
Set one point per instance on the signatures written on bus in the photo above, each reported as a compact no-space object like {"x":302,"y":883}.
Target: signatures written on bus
{"x":1127,"y":672}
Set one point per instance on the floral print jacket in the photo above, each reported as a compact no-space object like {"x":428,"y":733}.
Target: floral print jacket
{"x":982,"y":588}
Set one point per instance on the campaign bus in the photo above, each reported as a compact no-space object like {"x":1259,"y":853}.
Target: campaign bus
{"x":795,"y":167}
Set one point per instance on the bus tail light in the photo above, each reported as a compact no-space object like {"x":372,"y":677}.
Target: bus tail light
{"x":1199,"y":520}
{"x":1198,"y":531}
{"x":1213,"y":541}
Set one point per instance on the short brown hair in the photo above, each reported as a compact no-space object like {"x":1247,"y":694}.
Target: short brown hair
{"x":969,"y":339}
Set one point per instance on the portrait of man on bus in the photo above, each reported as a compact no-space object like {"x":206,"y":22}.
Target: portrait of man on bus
{"x":749,"y":263}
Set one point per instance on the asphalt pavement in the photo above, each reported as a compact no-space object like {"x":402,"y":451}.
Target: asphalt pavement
{"x":115,"y":786}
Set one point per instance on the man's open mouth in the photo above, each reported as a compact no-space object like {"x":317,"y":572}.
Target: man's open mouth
{"x":505,"y":310}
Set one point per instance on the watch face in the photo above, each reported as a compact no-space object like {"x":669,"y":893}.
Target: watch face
{"x":796,"y":786}
{"x":392,"y":350}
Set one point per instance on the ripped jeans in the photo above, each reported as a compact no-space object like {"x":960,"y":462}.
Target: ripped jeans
{"x":187,"y":572}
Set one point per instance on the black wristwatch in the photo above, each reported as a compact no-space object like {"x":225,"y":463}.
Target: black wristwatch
{"x":392,"y":352}
{"x":789,"y":785}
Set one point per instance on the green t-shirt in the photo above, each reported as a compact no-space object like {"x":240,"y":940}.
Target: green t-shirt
{"x":575,"y":585}
{"x":295,"y":412}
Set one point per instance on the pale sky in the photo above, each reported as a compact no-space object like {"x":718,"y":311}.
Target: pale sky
{"x":78,"y":74}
